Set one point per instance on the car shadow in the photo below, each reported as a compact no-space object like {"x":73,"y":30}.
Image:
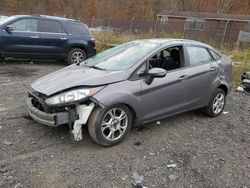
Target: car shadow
{"x":169,"y":120}
{"x":143,"y":130}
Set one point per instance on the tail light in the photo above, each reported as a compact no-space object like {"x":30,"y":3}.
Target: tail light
{"x":92,"y":39}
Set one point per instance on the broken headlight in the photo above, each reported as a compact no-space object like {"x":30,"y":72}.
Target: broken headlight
{"x":72,"y":96}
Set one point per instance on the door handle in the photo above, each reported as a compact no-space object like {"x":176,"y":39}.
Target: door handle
{"x":183,"y":77}
{"x":34,"y":37}
{"x":213,"y":69}
{"x":63,"y":38}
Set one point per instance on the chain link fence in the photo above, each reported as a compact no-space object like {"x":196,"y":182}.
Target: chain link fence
{"x":219,"y":33}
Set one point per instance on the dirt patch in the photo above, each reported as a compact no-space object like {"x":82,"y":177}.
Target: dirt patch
{"x":17,"y":71}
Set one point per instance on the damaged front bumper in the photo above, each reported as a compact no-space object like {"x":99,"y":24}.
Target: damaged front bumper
{"x":49,"y":119}
{"x":58,"y":115}
{"x":74,"y":115}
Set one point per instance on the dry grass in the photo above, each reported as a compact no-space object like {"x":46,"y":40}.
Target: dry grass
{"x":105,"y":40}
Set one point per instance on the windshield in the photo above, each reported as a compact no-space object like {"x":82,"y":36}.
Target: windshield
{"x":121,"y":57}
{"x":5,"y":20}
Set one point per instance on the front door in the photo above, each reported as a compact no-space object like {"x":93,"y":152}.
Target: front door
{"x":165,"y":96}
{"x":23,"y":41}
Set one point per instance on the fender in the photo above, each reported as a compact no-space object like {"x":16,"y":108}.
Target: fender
{"x":121,"y":96}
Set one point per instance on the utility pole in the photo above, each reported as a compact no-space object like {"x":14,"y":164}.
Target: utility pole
{"x":225,"y":33}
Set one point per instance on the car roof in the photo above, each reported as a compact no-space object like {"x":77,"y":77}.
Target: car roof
{"x":163,"y":41}
{"x":46,"y":16}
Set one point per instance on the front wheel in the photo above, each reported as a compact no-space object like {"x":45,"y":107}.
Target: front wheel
{"x":216,"y":104}
{"x":2,"y":59}
{"x":108,"y":127}
{"x":76,"y":55}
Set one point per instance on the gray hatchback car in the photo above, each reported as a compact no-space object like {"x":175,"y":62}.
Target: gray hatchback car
{"x":132,"y":84}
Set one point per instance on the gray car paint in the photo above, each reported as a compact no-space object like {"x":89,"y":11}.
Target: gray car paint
{"x":169,"y":95}
{"x":75,"y":76}
{"x":163,"y":97}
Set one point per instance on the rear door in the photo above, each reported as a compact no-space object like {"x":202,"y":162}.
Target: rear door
{"x":202,"y":74}
{"x":23,"y":41}
{"x":53,"y":38}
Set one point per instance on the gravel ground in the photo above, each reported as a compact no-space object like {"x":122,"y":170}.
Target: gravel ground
{"x":188,"y":150}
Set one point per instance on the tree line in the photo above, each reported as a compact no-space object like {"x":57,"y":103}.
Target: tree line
{"x":120,"y":9}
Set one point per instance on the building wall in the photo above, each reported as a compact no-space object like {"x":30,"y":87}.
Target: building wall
{"x":213,"y":30}
{"x":209,"y":31}
{"x":234,"y":29}
{"x":173,"y":25}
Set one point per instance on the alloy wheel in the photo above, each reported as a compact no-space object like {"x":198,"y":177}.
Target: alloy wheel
{"x":77,"y":57}
{"x":218,"y":103}
{"x":114,"y":124}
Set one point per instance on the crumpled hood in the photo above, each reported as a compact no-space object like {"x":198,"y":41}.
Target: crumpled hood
{"x":73,"y":76}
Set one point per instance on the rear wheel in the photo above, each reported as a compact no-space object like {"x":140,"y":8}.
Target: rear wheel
{"x":108,"y":127}
{"x":76,"y":55}
{"x":216,"y":104}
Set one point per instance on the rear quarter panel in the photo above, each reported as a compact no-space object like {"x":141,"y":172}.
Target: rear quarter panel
{"x":83,"y":42}
{"x":225,"y":72}
{"x":227,"y":65}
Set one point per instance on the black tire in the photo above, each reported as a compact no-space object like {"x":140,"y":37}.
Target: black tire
{"x":2,"y":59}
{"x":73,"y":52}
{"x":95,"y":125}
{"x":210,"y":110}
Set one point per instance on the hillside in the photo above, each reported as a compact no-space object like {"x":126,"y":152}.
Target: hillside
{"x":120,"y":9}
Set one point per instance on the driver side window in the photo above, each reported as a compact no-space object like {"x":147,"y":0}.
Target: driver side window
{"x":168,"y":59}
{"x":25,"y":25}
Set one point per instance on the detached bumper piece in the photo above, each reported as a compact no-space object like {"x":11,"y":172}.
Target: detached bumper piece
{"x":245,"y":82}
{"x":53,"y":119}
{"x":246,"y":85}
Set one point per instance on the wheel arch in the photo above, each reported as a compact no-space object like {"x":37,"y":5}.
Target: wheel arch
{"x":224,"y":88}
{"x":133,"y":113}
{"x":80,"y":47}
{"x":132,"y":106}
{"x":77,"y":43}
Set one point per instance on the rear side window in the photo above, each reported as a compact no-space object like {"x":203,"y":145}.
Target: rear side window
{"x":49,"y":26}
{"x":77,"y":29}
{"x":28,"y":25}
{"x":198,"y":55}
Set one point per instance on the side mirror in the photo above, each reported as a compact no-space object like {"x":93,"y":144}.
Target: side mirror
{"x":155,"y":73}
{"x":9,"y":28}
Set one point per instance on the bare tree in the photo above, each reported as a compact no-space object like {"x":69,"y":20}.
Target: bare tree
{"x":120,"y":9}
{"x":186,"y":5}
{"x":225,"y":6}
{"x":3,"y":6}
{"x":174,"y":5}
{"x":248,"y":6}
{"x":131,"y":9}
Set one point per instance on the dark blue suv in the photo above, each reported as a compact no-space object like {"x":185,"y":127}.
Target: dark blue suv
{"x":46,"y":37}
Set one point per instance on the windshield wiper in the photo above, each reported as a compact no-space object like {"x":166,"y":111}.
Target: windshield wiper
{"x":95,"y":67}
